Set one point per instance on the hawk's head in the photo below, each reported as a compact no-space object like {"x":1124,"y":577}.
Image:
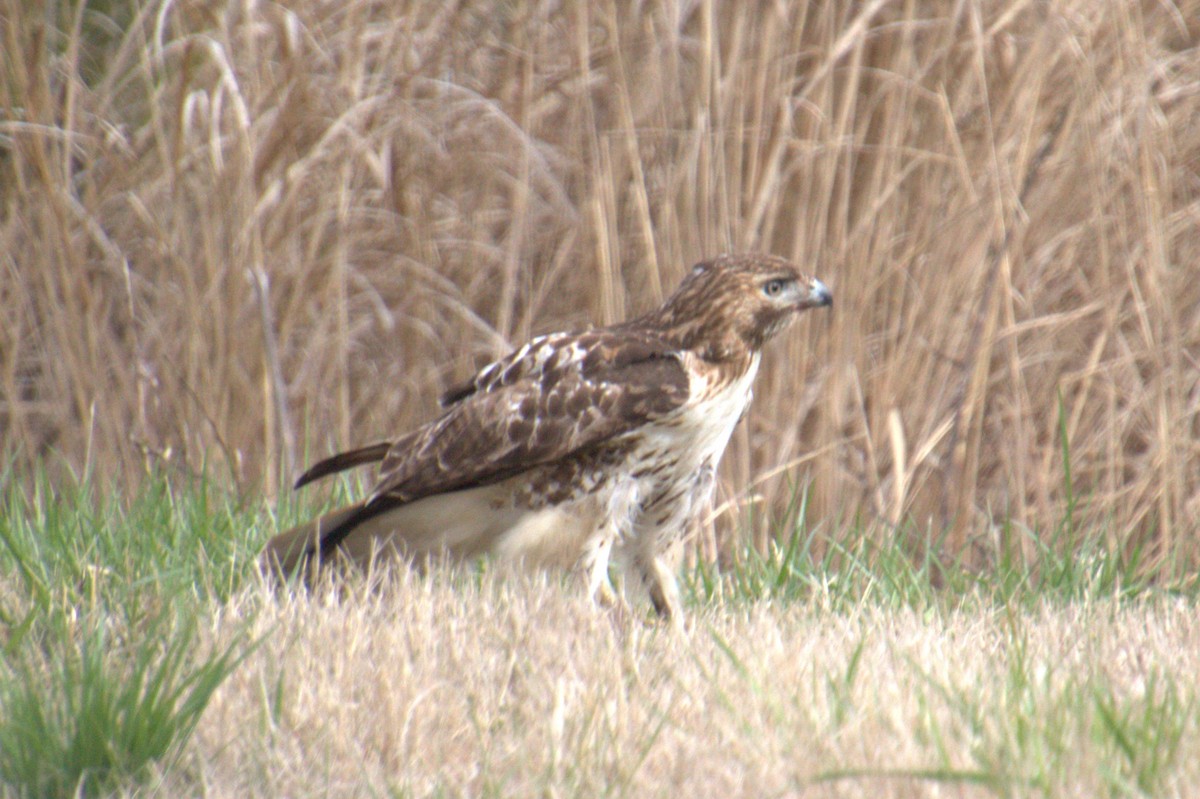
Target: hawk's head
{"x":736,"y":303}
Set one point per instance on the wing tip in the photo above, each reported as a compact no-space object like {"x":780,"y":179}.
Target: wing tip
{"x":342,"y":461}
{"x":306,"y":478}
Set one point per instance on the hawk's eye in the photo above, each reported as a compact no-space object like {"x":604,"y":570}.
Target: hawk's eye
{"x":772,"y":287}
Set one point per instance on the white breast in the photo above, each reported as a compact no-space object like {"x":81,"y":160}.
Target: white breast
{"x":708,"y":422}
{"x":656,"y":501}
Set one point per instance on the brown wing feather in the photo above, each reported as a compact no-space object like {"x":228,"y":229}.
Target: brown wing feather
{"x":344,"y":460}
{"x":592,"y":388}
{"x":535,"y":409}
{"x":537,"y":355}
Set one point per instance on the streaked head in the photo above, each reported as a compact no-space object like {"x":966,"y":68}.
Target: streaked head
{"x":739,"y":301}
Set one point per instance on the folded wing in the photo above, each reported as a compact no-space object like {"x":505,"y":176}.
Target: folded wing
{"x":551,"y":399}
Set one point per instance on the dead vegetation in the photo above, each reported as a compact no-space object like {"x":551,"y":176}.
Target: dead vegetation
{"x":444,"y":687}
{"x":237,"y":235}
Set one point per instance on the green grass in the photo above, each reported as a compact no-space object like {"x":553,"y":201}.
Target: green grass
{"x":104,"y":674}
{"x":877,"y":564}
{"x":86,"y":706}
{"x":107,"y":666}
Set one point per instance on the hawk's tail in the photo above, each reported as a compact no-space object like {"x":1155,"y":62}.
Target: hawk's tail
{"x":295,"y":549}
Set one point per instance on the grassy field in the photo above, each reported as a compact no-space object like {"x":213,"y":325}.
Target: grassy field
{"x":956,"y":551}
{"x":161,"y":665}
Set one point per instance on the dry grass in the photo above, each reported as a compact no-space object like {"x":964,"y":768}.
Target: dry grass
{"x":240,"y":234}
{"x":518,"y":688}
{"x":795,"y":678}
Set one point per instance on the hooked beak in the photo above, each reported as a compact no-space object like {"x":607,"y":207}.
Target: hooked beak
{"x":818,"y":295}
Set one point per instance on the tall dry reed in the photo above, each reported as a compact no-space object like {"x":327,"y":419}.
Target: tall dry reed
{"x":241,"y":235}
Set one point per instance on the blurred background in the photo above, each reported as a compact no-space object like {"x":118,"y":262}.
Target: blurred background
{"x":235,"y":237}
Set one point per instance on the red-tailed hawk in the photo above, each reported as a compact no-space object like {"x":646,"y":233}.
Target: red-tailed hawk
{"x":577,"y":445}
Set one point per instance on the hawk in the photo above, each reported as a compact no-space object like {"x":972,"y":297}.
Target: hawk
{"x":577,"y":446}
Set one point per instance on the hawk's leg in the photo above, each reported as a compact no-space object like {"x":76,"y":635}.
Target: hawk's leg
{"x":594,"y":566}
{"x":661,"y":585}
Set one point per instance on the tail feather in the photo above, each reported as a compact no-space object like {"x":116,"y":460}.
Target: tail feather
{"x":293,"y":550}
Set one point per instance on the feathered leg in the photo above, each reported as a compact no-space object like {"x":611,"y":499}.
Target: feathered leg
{"x":660,"y":583}
{"x":593,"y":565}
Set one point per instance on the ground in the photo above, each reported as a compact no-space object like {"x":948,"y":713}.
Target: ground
{"x":453,"y":687}
{"x":144,"y":655}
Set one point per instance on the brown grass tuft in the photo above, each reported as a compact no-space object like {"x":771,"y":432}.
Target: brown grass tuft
{"x":238,"y":235}
{"x":433,"y":687}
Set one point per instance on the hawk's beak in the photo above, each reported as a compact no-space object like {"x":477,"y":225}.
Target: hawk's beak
{"x":819,"y":294}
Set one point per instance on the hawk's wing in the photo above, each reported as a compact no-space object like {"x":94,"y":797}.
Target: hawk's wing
{"x":371,"y":453}
{"x":555,"y":396}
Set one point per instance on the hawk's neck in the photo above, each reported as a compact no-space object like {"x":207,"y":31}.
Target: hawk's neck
{"x":710,"y":341}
